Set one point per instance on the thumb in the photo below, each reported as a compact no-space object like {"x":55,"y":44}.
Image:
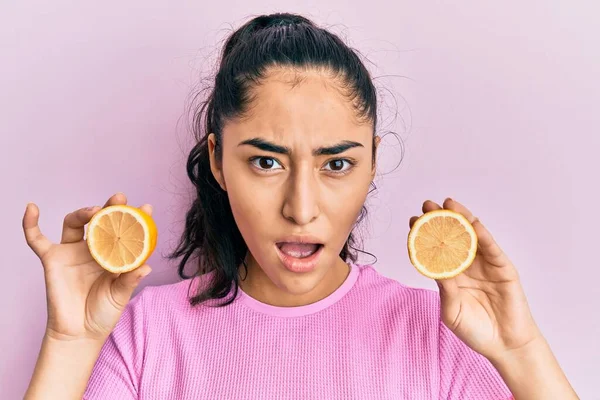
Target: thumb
{"x":125,"y":284}
{"x":450,"y":303}
{"x":448,"y":287}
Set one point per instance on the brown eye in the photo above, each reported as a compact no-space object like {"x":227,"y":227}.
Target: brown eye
{"x":336,"y":165}
{"x":265,"y":163}
{"x":339,"y":166}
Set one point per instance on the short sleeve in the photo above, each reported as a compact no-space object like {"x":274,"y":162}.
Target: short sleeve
{"x":116,"y":373}
{"x":466,"y":374}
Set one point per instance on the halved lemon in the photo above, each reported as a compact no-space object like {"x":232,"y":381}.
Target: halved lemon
{"x":442,"y":244}
{"x":121,"y":238}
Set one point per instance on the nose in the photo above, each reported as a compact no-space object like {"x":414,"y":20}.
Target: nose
{"x":301,"y":204}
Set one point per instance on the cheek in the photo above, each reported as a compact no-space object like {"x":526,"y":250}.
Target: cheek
{"x":244,"y":204}
{"x":346,"y":209}
{"x":345,"y":201}
{"x":249,"y":206}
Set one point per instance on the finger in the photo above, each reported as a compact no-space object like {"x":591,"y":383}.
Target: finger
{"x":74,"y":223}
{"x":33,"y":235}
{"x":412,"y":221}
{"x":116,"y":199}
{"x":147,"y":208}
{"x":448,"y":287}
{"x":450,"y":302}
{"x":429,"y":205}
{"x":122,"y":287}
{"x":487,"y":245}
{"x":454,"y":205}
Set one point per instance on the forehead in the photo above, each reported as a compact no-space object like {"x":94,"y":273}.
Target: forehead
{"x":308,"y":106}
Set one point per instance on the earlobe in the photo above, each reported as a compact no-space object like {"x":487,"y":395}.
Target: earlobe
{"x":215,"y":166}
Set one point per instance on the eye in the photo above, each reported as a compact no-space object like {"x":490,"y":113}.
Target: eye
{"x":339,"y":166}
{"x":265,"y":163}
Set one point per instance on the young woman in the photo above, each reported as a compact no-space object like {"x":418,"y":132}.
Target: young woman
{"x":277,"y":307}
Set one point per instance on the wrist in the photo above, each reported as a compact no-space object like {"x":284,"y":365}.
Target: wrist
{"x":64,"y":366}
{"x":53,"y":336}
{"x":535,"y":348}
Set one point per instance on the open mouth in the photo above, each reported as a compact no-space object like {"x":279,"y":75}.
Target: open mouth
{"x":299,"y":250}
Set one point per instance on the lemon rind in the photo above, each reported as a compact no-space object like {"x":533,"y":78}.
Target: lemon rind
{"x":412,"y":250}
{"x":143,"y":255}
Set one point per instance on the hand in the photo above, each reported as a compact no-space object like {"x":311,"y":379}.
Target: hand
{"x":485,"y":306}
{"x":84,"y":300}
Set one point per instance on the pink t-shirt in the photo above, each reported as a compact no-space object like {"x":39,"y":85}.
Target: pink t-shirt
{"x":373,"y":338}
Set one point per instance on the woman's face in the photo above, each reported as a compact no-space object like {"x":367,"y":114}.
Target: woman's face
{"x":297,"y":169}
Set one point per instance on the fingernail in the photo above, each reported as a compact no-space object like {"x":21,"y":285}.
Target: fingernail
{"x":90,"y":208}
{"x":143,"y":275}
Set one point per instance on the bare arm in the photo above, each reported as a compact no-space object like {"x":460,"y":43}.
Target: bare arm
{"x":63,"y":368}
{"x":533,"y":372}
{"x":84,"y":303}
{"x":486,"y":307}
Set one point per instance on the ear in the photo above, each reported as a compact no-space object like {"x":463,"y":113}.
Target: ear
{"x":376,"y":141}
{"x":215,"y":165}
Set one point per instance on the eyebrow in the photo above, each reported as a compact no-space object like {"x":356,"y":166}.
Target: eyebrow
{"x":265,"y":145}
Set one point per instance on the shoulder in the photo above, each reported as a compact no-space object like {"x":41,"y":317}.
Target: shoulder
{"x":174,"y":295}
{"x":156,"y":307}
{"x":408,"y":308}
{"x":170,"y":293}
{"x":390,"y":291}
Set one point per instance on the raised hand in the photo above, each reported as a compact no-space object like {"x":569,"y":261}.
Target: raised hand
{"x":485,"y":306}
{"x":84,"y":300}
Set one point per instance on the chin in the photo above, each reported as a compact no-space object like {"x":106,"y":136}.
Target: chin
{"x":304,"y":282}
{"x":299,"y":286}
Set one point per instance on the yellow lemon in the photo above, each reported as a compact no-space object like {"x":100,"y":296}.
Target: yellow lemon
{"x":442,"y":244}
{"x":121,"y":238}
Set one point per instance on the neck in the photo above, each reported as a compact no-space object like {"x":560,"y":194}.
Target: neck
{"x":258,"y":285}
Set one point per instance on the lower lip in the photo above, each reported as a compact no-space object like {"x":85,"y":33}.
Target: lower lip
{"x":294,"y":264}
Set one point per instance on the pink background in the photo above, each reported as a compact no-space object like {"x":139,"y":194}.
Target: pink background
{"x":498,"y":107}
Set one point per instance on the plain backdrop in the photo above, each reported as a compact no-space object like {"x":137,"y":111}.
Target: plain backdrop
{"x":496,"y":105}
